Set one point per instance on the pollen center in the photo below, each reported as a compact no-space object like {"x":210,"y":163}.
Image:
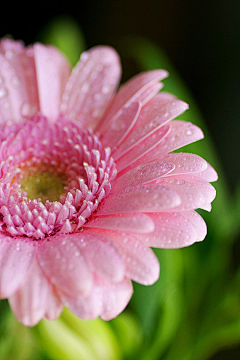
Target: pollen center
{"x":44,"y":185}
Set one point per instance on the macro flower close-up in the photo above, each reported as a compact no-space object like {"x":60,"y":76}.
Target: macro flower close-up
{"x":90,"y":181}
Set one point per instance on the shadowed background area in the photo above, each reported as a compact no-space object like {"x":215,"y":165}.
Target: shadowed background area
{"x":200,"y":38}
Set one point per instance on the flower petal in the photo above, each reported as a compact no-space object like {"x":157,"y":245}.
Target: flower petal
{"x":139,"y":223}
{"x":194,"y":192}
{"x":102,"y":257}
{"x":142,"y":174}
{"x":115,"y":298}
{"x":18,"y":84}
{"x":142,"y":148}
{"x":16,"y":256}
{"x":180,"y":134}
{"x":106,"y":300}
{"x":175,"y":230}
{"x":132,"y":91}
{"x":91,"y":86}
{"x":62,"y":262}
{"x":209,"y":174}
{"x":185,"y":163}
{"x":141,"y":263}
{"x":121,"y":125}
{"x":157,"y":112}
{"x":31,"y":299}
{"x":54,"y":306}
{"x":53,"y":71}
{"x":142,"y":198}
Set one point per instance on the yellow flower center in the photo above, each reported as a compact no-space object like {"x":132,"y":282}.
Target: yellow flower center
{"x":45,"y":185}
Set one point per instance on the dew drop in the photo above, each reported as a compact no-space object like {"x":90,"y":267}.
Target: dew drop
{"x":106,"y":89}
{"x":3,"y":93}
{"x":28,"y":109}
{"x":9,"y":54}
{"x":15,"y":81}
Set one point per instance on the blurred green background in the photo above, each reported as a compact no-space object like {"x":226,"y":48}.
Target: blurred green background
{"x":193,"y":312}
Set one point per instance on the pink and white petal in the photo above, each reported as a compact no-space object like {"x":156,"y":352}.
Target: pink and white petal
{"x":175,"y":230}
{"x":54,"y":306}
{"x":53,"y":71}
{"x":149,"y":93}
{"x":16,"y":256}
{"x":121,"y":125}
{"x":142,"y":148}
{"x":141,"y":263}
{"x":29,"y":302}
{"x":102,"y":256}
{"x":182,"y":133}
{"x":207,"y":189}
{"x":156,"y":113}
{"x":62,"y":262}
{"x":193,"y":195}
{"x":185,"y":163}
{"x":139,"y":223}
{"x":18,"y":85}
{"x":92,"y":86}
{"x":142,"y":174}
{"x":115,"y":298}
{"x":142,"y":198}
{"x":86,"y":307}
{"x":130,"y":92}
{"x":209,"y":174}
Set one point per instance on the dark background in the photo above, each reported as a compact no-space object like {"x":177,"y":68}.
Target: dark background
{"x":202,"y":39}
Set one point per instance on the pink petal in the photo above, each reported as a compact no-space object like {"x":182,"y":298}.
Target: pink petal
{"x":157,"y":112}
{"x":30,"y":301}
{"x":91,"y":86}
{"x":115,"y":298}
{"x":209,"y":174}
{"x":86,"y":307}
{"x":141,"y":263}
{"x":54,"y":306}
{"x":53,"y":71}
{"x":106,"y":300}
{"x":18,"y":84}
{"x":102,"y":257}
{"x":207,"y":189}
{"x":194,"y":194}
{"x":142,"y":198}
{"x":142,"y":148}
{"x":175,"y":230}
{"x":180,"y":134}
{"x":149,"y":93}
{"x":121,"y":125}
{"x":62,"y":262}
{"x":142,"y":174}
{"x":16,"y":256}
{"x":185,"y":163}
{"x":139,"y":223}
{"x":132,"y":91}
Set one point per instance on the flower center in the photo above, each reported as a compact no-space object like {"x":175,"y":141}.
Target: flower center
{"x":53,"y":177}
{"x":44,"y":185}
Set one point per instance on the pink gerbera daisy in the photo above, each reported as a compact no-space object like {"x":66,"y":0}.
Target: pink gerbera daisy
{"x":89,"y":181}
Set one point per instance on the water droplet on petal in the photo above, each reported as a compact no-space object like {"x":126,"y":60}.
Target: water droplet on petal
{"x":28,"y":109}
{"x":3,"y":93}
{"x":15,"y":81}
